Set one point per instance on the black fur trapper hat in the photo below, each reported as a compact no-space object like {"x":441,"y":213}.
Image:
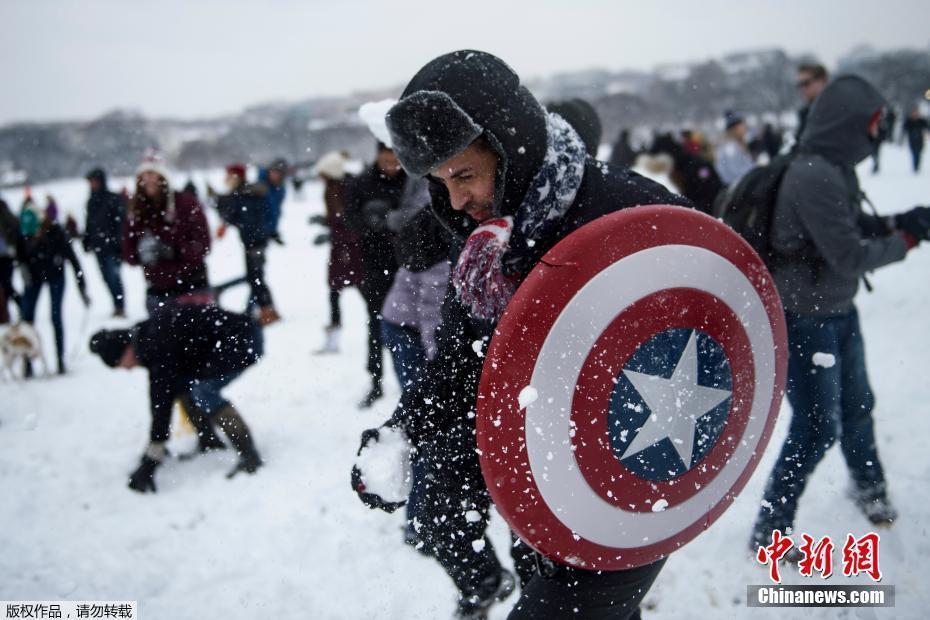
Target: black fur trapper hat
{"x":458,"y":97}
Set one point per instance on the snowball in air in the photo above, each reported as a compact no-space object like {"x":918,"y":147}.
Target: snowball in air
{"x":824,"y":360}
{"x":528,"y":396}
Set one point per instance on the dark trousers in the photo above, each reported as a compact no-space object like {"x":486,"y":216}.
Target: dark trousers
{"x":260,"y":295}
{"x":455,"y":511}
{"x":335,"y":316}
{"x":6,"y":286}
{"x":586,"y":595}
{"x":375,"y":287}
{"x":56,"y":288}
{"x":109,"y":268}
{"x":827,"y":402}
{"x":916,"y":153}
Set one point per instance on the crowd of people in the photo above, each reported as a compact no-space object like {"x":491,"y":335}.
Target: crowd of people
{"x":470,"y":150}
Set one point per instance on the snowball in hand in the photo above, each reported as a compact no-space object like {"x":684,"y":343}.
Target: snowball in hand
{"x":385,"y":465}
{"x":372,"y":114}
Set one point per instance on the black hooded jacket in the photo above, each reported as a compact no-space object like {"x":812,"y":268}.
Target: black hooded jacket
{"x":818,"y":221}
{"x":247,"y":210}
{"x":369,"y":198}
{"x":490,"y":95}
{"x":103,"y":232}
{"x":182,"y":344}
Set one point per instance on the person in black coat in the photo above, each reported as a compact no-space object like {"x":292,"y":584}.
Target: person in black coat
{"x":246,"y":208}
{"x":9,"y":234}
{"x":191,"y":353}
{"x":623,"y":155}
{"x":42,"y":250}
{"x":103,"y":233}
{"x":488,"y":147}
{"x":914,"y":128}
{"x":371,"y":196}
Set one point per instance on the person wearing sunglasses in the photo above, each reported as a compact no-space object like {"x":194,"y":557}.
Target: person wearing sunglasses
{"x":812,"y":78}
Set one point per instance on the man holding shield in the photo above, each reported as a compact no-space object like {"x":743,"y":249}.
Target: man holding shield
{"x":508,"y":180}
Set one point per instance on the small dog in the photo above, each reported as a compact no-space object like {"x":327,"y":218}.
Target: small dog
{"x":20,"y":343}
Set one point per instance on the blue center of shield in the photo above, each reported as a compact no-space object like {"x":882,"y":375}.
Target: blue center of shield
{"x":670,"y":404}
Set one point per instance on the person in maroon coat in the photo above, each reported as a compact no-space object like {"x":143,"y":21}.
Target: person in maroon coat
{"x":166,"y":232}
{"x":345,"y":258}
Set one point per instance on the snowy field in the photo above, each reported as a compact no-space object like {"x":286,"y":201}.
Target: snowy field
{"x":293,"y":541}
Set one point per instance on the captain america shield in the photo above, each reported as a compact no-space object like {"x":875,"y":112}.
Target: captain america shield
{"x":631,"y":387}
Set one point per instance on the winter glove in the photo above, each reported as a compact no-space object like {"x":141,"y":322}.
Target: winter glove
{"x":318,"y":219}
{"x":143,"y":479}
{"x":153,"y":250}
{"x":478,"y":276}
{"x":915,"y":222}
{"x":321,"y":239}
{"x":382,"y":476}
{"x":374,"y":215}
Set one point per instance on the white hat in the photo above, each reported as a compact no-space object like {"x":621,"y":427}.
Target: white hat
{"x":152,"y":161}
{"x":332,"y":166}
{"x":372,"y":114}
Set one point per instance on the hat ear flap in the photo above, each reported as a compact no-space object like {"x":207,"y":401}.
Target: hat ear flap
{"x":427,"y":128}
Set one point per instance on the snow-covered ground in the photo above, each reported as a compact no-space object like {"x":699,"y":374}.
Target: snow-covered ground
{"x":293,"y":541}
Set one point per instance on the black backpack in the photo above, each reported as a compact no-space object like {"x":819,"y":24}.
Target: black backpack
{"x":747,"y":205}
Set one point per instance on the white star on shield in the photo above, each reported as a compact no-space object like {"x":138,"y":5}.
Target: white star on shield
{"x":675,"y":403}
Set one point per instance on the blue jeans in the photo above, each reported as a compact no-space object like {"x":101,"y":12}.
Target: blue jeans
{"x":56,"y":288}
{"x":827,"y":402}
{"x":409,"y":357}
{"x":109,"y":268}
{"x":407,"y":351}
{"x":206,"y":392}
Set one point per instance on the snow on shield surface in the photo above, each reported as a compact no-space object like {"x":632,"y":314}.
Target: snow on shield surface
{"x":654,"y":342}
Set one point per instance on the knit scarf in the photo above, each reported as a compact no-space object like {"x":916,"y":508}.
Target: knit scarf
{"x":500,"y":252}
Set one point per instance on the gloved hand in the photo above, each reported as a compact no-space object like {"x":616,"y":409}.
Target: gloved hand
{"x":318,"y":219}
{"x":383,"y":468}
{"x":276,"y":237}
{"x":915,"y":222}
{"x":143,"y":479}
{"x":478,"y":276}
{"x":153,"y":250}
{"x":374,"y":215}
{"x":321,"y":239}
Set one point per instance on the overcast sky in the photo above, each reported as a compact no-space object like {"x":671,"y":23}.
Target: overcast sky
{"x":73,"y":59}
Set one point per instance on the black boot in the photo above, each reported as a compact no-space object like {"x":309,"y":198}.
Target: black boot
{"x":207,"y":439}
{"x":373,"y":394}
{"x":240,"y":437}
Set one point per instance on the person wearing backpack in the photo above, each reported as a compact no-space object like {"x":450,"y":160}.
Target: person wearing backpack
{"x":822,"y":244}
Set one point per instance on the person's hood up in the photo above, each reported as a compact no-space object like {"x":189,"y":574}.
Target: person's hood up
{"x":97,"y":174}
{"x":583,"y":118}
{"x":457,"y":98}
{"x":837,"y":126}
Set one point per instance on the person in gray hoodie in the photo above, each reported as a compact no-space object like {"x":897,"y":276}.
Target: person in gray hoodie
{"x":825,"y":245}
